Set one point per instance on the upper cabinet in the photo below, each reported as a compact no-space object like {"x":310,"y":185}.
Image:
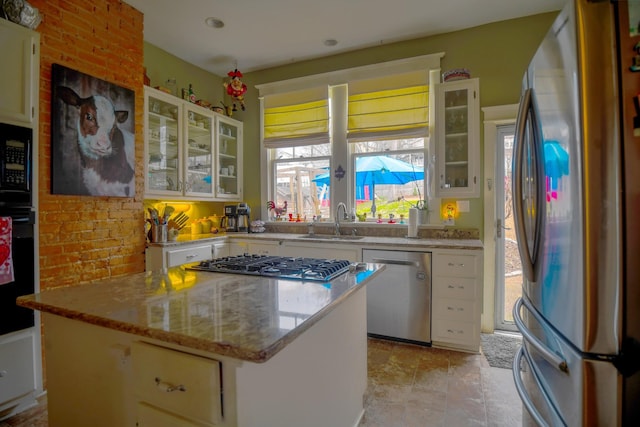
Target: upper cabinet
{"x":229,"y":156}
{"x":457,"y":139}
{"x":19,"y":72}
{"x":191,"y":152}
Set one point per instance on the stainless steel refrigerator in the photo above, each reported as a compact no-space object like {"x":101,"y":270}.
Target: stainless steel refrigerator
{"x":576,"y":192}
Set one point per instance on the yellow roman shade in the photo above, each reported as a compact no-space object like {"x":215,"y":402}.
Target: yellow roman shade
{"x":296,"y":118}
{"x":394,"y":106}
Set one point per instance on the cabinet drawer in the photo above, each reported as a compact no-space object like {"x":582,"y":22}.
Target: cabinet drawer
{"x":188,"y":255}
{"x":456,"y":265}
{"x":181,"y":383}
{"x":148,"y":416}
{"x":453,"y":332}
{"x":16,"y":369}
{"x":455,"y":309}
{"x":454,"y":287}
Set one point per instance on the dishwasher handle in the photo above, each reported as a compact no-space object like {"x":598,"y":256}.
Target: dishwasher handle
{"x":396,"y":262}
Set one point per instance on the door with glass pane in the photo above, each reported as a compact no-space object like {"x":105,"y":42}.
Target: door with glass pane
{"x":163,"y":155}
{"x":198,"y":179}
{"x":508,"y":268}
{"x":457,"y":144}
{"x":229,"y":157}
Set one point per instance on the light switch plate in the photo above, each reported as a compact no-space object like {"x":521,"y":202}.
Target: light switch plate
{"x":463,"y":205}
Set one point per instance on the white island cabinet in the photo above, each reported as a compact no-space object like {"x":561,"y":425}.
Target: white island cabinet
{"x":184,"y":348}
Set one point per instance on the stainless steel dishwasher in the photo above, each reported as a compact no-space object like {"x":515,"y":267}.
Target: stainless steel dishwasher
{"x":399,"y":298}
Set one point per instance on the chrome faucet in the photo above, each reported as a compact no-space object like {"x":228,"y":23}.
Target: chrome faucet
{"x":344,"y":214}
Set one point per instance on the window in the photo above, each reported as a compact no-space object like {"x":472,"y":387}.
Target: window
{"x":295,"y":169}
{"x":359,"y":135}
{"x":389,"y":178}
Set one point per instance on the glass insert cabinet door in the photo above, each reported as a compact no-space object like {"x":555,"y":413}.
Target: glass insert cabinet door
{"x":164,"y":157}
{"x":229,"y":145}
{"x":199,"y":153}
{"x":458,"y":150}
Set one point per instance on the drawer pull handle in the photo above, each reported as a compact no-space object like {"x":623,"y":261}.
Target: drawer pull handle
{"x":453,"y":287}
{"x":451,"y":264}
{"x":191,"y":256}
{"x":168,"y":388}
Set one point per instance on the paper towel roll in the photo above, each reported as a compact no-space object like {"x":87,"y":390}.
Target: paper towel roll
{"x":412,"y":226}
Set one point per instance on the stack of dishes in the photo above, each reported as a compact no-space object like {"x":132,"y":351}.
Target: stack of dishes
{"x":257,"y":226}
{"x":456,"y":74}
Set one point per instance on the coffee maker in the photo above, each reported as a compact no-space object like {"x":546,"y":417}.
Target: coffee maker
{"x":229,"y":221}
{"x":243,"y":222}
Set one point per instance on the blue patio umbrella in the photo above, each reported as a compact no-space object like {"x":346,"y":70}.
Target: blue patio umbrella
{"x":372,"y":170}
{"x":556,"y":165}
{"x":556,"y":160}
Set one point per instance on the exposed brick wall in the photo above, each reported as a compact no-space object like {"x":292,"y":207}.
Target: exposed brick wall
{"x":88,"y":238}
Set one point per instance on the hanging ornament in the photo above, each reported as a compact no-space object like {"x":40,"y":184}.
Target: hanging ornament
{"x":235,"y":88}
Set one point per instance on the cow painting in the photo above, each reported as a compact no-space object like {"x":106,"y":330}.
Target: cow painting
{"x":92,"y":136}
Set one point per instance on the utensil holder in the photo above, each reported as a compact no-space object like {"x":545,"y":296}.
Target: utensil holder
{"x":158,"y":233}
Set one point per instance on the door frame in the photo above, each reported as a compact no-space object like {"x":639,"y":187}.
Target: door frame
{"x":493,"y":117}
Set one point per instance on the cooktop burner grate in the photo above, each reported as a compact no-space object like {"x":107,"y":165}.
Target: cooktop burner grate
{"x":316,"y":269}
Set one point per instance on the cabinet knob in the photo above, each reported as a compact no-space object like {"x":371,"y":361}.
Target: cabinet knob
{"x":168,"y":388}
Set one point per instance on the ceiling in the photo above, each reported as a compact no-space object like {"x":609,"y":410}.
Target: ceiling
{"x":267,"y":33}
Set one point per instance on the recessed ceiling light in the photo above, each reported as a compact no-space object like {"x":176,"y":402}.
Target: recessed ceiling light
{"x":214,"y":22}
{"x":330,"y":42}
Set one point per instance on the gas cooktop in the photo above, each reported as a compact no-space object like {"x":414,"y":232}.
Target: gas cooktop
{"x":315,"y":269}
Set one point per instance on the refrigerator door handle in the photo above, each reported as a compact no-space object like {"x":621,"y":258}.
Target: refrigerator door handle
{"x":527,"y":335}
{"x":528,"y":256}
{"x":522,"y":390}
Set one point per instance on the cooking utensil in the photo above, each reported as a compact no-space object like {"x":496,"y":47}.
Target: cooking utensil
{"x":183,"y":221}
{"x":168,"y":210}
{"x":154,"y":215}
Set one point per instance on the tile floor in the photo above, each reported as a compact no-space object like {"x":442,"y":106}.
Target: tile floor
{"x":413,"y":386}
{"x":426,"y":387}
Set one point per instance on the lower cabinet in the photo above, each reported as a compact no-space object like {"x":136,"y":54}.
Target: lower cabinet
{"x":175,"y":388}
{"x":320,"y":250}
{"x":248,"y":246}
{"x":457,"y":299}
{"x":159,"y":257}
{"x":17,"y":376}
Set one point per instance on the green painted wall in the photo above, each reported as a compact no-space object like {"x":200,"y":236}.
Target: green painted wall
{"x":497,"y":53}
{"x":162,"y":66}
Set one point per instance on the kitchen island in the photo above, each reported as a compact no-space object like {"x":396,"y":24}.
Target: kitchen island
{"x":195,"y":348}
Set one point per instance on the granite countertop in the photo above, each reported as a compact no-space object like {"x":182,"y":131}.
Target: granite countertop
{"x":368,"y":241}
{"x":243,"y":317}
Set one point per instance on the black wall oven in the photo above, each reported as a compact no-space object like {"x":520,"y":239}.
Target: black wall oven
{"x":15,"y":165}
{"x":12,"y":317}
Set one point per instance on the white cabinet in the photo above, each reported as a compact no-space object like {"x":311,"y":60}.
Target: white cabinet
{"x":186,"y":153}
{"x":172,"y":385}
{"x":254,"y":247}
{"x":19,"y":73}
{"x":229,"y":158}
{"x":159,"y":257}
{"x":458,"y":139}
{"x":457,"y":305}
{"x":319,"y":250}
{"x":17,"y":377}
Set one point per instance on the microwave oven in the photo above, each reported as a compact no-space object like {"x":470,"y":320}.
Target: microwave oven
{"x":16,"y":147}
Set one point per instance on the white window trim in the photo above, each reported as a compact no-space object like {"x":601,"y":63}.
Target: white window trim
{"x":341,"y":152}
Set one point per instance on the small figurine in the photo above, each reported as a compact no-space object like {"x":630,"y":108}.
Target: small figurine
{"x":235,"y":88}
{"x":278,"y":211}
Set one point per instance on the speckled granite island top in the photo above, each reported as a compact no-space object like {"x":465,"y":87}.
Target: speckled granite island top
{"x":244,"y":317}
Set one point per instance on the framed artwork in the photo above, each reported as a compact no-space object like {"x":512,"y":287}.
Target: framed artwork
{"x":92,"y":135}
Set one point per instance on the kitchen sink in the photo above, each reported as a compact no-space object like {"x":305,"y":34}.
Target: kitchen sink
{"x":330,"y":237}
